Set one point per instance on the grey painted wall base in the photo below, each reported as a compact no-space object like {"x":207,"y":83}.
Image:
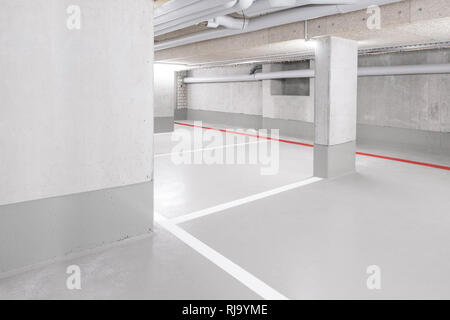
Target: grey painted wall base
{"x":37,"y":231}
{"x":291,"y":128}
{"x":395,"y":138}
{"x":181,"y":114}
{"x":408,"y":139}
{"x":163,"y":124}
{"x":334,"y":161}
{"x":227,"y":118}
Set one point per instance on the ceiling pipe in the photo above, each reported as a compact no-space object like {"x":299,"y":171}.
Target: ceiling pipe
{"x":198,"y":11}
{"x":404,"y":70}
{"x":245,"y":4}
{"x":272,"y":20}
{"x":177,"y":7}
{"x":228,"y":22}
{"x":171,"y":6}
{"x":269,"y":6}
{"x":292,"y":74}
{"x":310,"y":73}
{"x":191,"y":20}
{"x":193,"y":14}
{"x":254,"y":24}
{"x":242,"y":24}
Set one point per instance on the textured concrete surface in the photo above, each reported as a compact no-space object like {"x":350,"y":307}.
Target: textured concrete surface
{"x":335,"y":106}
{"x":335,"y":102}
{"x":420,"y":102}
{"x":165,"y":89}
{"x":76,"y":127}
{"x":66,"y":124}
{"x":242,"y":97}
{"x":288,"y":107}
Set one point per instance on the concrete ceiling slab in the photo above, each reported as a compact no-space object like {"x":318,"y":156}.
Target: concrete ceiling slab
{"x":409,"y":22}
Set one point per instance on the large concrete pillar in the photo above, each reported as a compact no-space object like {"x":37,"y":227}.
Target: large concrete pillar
{"x":335,"y":106}
{"x":76,"y":126}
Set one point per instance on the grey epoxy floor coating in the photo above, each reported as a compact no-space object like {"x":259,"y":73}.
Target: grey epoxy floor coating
{"x":312,"y":242}
{"x":181,"y":191}
{"x":317,"y":241}
{"x":154,"y":267}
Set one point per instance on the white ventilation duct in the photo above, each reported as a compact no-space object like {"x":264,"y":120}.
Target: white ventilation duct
{"x":268,"y":6}
{"x":228,"y":22}
{"x":180,"y":8}
{"x":179,"y":14}
{"x":274,"y":19}
{"x":310,"y":73}
{"x":245,"y":4}
{"x":178,"y":17}
{"x":172,"y":18}
{"x":404,"y":70}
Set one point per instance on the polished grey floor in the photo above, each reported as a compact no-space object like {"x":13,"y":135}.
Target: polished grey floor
{"x":315,"y":241}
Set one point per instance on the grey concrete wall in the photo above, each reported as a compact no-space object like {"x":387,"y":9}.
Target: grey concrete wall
{"x":240,"y":97}
{"x":419,"y":102}
{"x":165,"y":96}
{"x":76,"y":105}
{"x":164,"y":90}
{"x":181,"y":91}
{"x":76,"y":116}
{"x":285,"y":107}
{"x":163,"y":124}
{"x":336,"y":85}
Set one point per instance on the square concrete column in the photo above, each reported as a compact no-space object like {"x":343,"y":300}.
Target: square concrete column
{"x":336,"y":84}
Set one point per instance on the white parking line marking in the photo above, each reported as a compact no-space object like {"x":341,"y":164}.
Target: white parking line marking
{"x":239,"y":202}
{"x":246,"y":278}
